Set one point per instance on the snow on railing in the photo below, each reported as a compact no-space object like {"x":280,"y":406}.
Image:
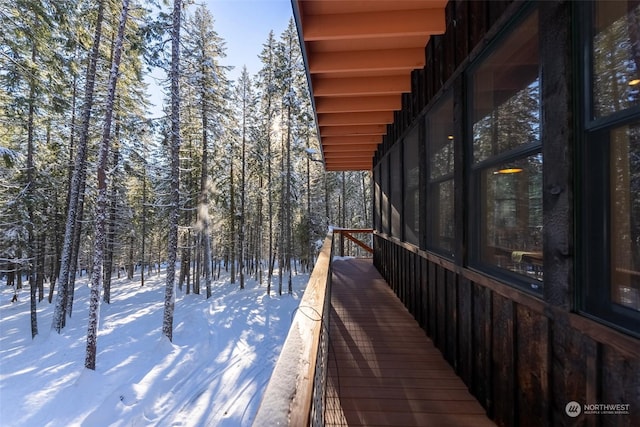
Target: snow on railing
{"x":295,"y":393}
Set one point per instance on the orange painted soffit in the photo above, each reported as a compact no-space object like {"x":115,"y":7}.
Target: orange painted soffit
{"x":359,"y":55}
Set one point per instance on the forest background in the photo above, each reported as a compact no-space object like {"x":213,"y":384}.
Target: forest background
{"x":228,"y":178}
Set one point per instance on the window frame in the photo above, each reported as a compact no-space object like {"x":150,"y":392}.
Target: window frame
{"x":385,"y":202}
{"x":413,"y":135}
{"x":593,"y":297}
{"x":475,"y":169}
{"x":377,"y":199}
{"x":396,"y":190}
{"x":432,"y":184}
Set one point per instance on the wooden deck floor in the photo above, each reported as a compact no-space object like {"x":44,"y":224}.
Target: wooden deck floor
{"x":383,"y":369}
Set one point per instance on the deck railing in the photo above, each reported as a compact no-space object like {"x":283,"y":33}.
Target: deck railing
{"x":295,"y":395}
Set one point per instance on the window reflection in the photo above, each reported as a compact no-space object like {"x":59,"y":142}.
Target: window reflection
{"x":506,"y":95}
{"x":412,"y":188}
{"x":441,"y":179}
{"x":377,"y":200}
{"x":384,"y":195}
{"x":625,"y":216}
{"x":616,"y":57}
{"x":445,"y":232}
{"x":507,"y":159}
{"x":511,"y":195}
{"x":395,"y":176}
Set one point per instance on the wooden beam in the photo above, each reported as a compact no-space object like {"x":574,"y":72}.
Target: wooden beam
{"x":351,"y":140}
{"x":349,"y":148}
{"x":367,"y":60}
{"x":345,"y":104}
{"x":378,"y":130}
{"x":348,"y":235}
{"x":333,"y":167}
{"x":348,"y":154}
{"x":323,"y":7}
{"x":372,"y":118}
{"x":374,"y":24}
{"x":349,"y":86}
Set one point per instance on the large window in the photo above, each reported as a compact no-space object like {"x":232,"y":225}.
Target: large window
{"x":412,"y":187}
{"x":610,"y":238}
{"x":441,"y":219}
{"x":506,"y":165}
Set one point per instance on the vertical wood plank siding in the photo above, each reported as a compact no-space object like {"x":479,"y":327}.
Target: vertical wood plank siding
{"x":523,"y":357}
{"x":523,"y":360}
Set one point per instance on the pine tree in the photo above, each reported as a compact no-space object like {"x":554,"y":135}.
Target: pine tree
{"x":204,"y":49}
{"x":101,"y":203}
{"x":267,"y":84}
{"x":169,"y":297}
{"x":245,"y":100}
{"x":78,"y":177}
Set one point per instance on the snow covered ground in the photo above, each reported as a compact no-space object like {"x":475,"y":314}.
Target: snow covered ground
{"x":213,"y":373}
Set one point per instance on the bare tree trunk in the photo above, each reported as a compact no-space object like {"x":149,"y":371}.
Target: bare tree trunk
{"x":289,"y":225}
{"x":29,"y":197}
{"x":232,"y":217}
{"x":205,"y":239}
{"x":271,"y":254}
{"x":144,"y":225}
{"x":79,"y":167}
{"x":111,"y":233}
{"x":241,"y":242}
{"x":101,"y":202}
{"x":169,"y":295}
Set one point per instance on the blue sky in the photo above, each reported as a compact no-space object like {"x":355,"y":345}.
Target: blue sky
{"x":245,"y":25}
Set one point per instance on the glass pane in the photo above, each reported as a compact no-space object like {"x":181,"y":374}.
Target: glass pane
{"x":511,"y":230}
{"x":625,"y":216}
{"x":616,"y":56}
{"x":384,"y":187}
{"x":411,"y":188}
{"x":506,"y":94}
{"x":445,"y":225}
{"x":440,"y":139}
{"x":377,"y":199}
{"x":395,"y":170}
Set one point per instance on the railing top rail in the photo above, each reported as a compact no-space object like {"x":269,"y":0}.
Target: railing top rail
{"x":288,"y":396}
{"x":352,"y":230}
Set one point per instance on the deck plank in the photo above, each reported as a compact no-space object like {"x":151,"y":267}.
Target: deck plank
{"x":383,"y":369}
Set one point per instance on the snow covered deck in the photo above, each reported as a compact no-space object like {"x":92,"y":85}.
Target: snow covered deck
{"x":383,"y":369}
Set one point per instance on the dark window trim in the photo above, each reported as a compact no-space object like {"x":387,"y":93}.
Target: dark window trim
{"x":446,"y":94}
{"x":592,"y":295}
{"x":474,"y":216}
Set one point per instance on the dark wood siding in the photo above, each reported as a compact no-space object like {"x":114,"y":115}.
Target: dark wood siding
{"x":523,"y":357}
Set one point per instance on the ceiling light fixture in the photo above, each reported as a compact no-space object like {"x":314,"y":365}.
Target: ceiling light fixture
{"x":508,"y":171}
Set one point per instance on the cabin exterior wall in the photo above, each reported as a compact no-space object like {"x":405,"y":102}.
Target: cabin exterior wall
{"x":526,"y":344}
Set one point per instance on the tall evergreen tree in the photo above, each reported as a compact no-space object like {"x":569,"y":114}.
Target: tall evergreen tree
{"x":79,"y":175}
{"x":204,"y":48}
{"x":267,"y":84}
{"x":174,"y":212}
{"x":101,"y":203}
